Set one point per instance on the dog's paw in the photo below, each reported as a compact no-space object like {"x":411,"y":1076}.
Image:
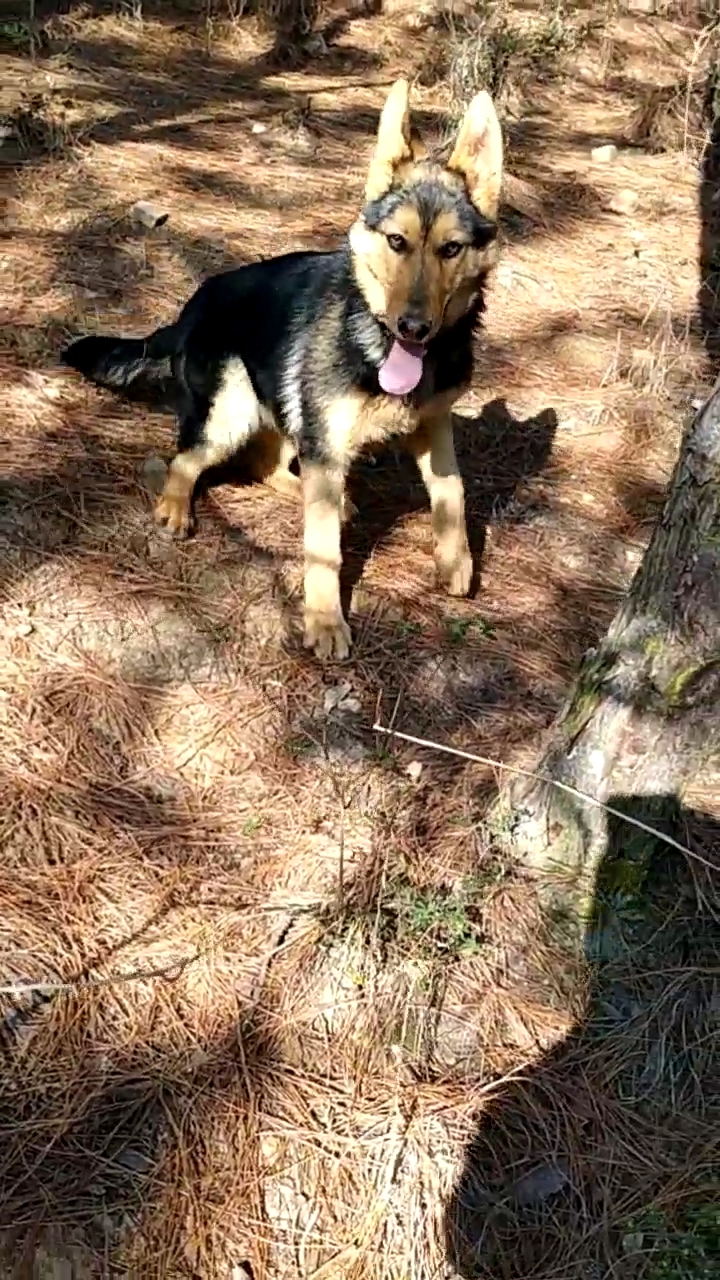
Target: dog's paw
{"x":457,"y":576}
{"x":175,"y":514}
{"x":328,"y":635}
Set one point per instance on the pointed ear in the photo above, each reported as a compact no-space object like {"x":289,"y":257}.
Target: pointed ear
{"x":393,"y":144}
{"x":478,"y":154}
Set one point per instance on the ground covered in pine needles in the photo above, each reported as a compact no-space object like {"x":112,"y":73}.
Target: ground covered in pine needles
{"x":272,"y":1005}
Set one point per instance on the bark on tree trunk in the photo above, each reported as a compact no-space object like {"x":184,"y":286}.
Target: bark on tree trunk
{"x":643,"y":717}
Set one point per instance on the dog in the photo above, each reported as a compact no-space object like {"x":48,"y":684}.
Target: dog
{"x":315,"y":355}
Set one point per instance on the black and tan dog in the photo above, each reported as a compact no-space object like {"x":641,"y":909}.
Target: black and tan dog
{"x":316,"y":355}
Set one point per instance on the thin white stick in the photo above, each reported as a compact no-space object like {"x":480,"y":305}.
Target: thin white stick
{"x":553,"y":782}
{"x":171,"y":970}
{"x":174,"y":968}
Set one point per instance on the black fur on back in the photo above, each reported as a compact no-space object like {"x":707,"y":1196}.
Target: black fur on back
{"x":297,"y":318}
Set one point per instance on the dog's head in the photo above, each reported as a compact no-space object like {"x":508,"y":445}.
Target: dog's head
{"x":427,"y":234}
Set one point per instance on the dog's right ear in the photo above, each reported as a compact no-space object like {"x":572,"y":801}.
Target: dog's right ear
{"x":394,"y":144}
{"x":478,"y":154}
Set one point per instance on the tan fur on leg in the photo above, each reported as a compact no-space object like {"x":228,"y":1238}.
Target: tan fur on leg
{"x":174,"y":506}
{"x":434,"y":450}
{"x":234,"y":417}
{"x":270,"y":456}
{"x":326,"y":631}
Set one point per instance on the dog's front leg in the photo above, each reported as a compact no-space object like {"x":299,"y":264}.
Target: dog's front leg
{"x":326,"y":631}
{"x":434,"y":450}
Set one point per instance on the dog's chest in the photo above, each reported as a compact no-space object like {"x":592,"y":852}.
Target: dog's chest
{"x":358,"y":420}
{"x":380,"y":418}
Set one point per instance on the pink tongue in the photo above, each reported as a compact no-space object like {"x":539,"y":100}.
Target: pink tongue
{"x":402,"y":370}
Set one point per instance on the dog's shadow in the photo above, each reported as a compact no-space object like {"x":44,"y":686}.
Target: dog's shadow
{"x":495,"y":451}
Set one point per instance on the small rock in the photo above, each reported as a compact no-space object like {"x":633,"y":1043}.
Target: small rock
{"x":147,"y":215}
{"x":315,"y":45}
{"x":540,"y":1184}
{"x":413,"y":770}
{"x":346,"y":751}
{"x":198,"y":1059}
{"x":259,"y":127}
{"x":6,"y":133}
{"x":420,"y":20}
{"x":340,"y":698}
{"x":605,"y":154}
{"x":334,"y":696}
{"x":641,"y":365}
{"x":302,"y":139}
{"x":587,"y":75}
{"x":574,"y":561}
{"x":50,"y":387}
{"x":623,"y":201}
{"x":270,"y":1148}
{"x":107,"y":1224}
{"x":135,"y":1161}
{"x":638,"y":242}
{"x":154,"y":472}
{"x":24,"y":629}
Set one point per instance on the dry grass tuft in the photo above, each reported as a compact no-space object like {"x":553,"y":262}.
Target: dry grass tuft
{"x":43,"y":124}
{"x":490,"y":46}
{"x":676,"y":117}
{"x":291,"y":20}
{"x":680,"y":114}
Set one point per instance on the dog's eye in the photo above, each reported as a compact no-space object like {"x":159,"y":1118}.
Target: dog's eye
{"x":451,"y":249}
{"x":397,"y":243}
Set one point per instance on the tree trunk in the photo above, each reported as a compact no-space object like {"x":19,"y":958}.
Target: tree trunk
{"x":643,"y":717}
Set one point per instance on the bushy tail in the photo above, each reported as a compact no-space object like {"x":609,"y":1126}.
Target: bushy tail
{"x":136,"y":368}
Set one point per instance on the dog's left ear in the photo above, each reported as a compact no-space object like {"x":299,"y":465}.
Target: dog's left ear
{"x":478,"y":154}
{"x":395,"y":144}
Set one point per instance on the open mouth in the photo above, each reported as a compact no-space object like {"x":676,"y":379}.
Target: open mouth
{"x":402,"y":368}
{"x":416,"y":349}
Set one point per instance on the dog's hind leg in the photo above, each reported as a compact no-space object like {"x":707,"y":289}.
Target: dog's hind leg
{"x":174,"y":506}
{"x":271,"y":457}
{"x":434,"y":451}
{"x":213,"y":435}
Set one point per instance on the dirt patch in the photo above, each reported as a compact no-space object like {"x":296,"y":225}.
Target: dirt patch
{"x":293,"y":1012}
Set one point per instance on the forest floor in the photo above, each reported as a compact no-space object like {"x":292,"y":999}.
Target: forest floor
{"x":301,"y":1021}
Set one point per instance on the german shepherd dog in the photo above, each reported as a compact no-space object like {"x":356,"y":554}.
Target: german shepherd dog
{"x":316,"y":355}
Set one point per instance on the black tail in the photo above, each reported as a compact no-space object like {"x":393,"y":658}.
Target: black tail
{"x":136,"y":368}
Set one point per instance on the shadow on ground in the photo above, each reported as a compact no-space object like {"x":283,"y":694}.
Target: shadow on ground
{"x":142,"y":1094}
{"x":496,"y":453}
{"x":117,"y":1167}
{"x":591,"y":1159}
{"x":145,"y":105}
{"x":601,"y":1159}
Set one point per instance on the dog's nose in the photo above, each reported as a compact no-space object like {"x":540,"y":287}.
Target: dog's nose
{"x":412,"y":329}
